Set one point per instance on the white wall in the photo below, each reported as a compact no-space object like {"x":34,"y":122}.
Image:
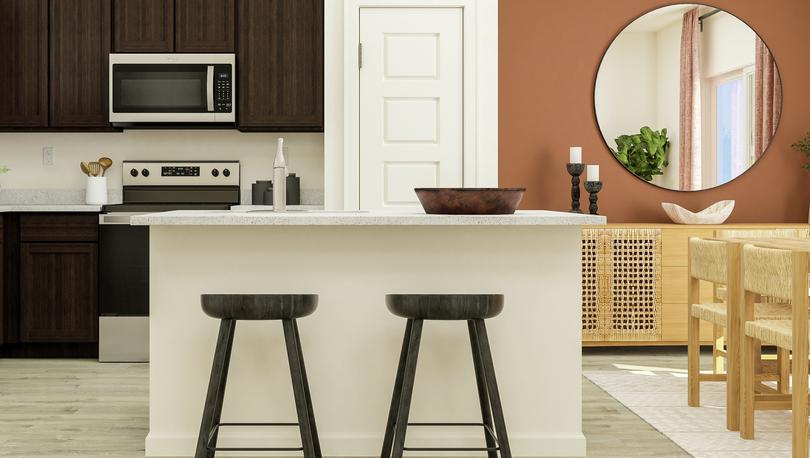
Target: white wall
{"x":626,"y":86}
{"x":22,"y":152}
{"x":727,"y":44}
{"x":333,"y":104}
{"x":668,"y":63}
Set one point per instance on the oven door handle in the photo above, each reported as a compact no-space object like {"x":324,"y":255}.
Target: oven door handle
{"x":210,"y":91}
{"x":119,"y":219}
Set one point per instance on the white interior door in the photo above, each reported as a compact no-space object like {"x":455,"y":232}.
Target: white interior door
{"x":411,"y":112}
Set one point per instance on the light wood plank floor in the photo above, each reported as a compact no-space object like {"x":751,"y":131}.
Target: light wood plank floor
{"x":69,"y":408}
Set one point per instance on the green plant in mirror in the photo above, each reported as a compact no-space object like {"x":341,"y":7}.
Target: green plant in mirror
{"x":645,"y":153}
{"x":803,"y":146}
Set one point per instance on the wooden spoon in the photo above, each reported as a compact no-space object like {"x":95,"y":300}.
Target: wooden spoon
{"x":105,"y":164}
{"x":85,"y":168}
{"x":95,"y":168}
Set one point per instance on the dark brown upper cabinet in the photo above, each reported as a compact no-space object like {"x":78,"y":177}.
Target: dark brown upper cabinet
{"x":280,"y":65}
{"x":24,"y":60}
{"x":204,"y":25}
{"x":143,"y":25}
{"x":79,"y":63}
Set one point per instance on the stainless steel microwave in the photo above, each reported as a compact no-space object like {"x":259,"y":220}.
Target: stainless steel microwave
{"x":172,"y":89}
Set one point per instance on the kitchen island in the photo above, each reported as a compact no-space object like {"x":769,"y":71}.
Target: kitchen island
{"x":351,"y":343}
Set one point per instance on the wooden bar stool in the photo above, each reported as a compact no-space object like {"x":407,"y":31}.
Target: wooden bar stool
{"x":782,"y":273}
{"x":718,"y":262}
{"x":229,"y":308}
{"x":473,"y":308}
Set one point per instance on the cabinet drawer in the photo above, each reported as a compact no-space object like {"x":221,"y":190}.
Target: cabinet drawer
{"x":674,"y":283}
{"x":674,"y":324}
{"x":675,"y":245}
{"x":50,"y":227}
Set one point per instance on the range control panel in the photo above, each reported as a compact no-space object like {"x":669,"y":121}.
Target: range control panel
{"x":188,"y":173}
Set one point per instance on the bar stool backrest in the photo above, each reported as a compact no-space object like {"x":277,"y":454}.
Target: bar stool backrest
{"x":768,"y":271}
{"x":707,"y":260}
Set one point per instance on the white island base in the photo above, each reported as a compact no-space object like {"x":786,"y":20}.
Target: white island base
{"x":351,"y":343}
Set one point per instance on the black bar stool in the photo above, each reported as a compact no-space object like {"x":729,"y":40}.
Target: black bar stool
{"x":229,"y":308}
{"x":474,"y":309}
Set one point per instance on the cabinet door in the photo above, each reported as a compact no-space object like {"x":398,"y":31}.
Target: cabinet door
{"x":280,"y":65}
{"x":143,"y":26}
{"x":204,"y":25}
{"x":80,"y":47}
{"x":24,"y":59}
{"x":58,"y":292}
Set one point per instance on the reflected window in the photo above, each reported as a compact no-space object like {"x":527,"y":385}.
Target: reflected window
{"x":732,"y":124}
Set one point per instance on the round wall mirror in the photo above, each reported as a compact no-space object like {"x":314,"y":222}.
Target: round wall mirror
{"x":688,"y":97}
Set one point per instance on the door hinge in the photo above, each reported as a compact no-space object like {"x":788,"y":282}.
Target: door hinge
{"x":359,"y":55}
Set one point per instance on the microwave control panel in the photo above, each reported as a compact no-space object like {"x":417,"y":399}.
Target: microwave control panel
{"x":223,"y":88}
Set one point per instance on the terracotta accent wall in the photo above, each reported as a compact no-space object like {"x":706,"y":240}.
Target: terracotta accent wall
{"x":549,"y":55}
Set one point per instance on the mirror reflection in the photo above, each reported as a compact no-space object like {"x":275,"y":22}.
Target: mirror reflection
{"x":688,"y":97}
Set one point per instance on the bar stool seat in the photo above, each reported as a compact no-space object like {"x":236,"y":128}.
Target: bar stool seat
{"x":259,"y":306}
{"x":445,"y":306}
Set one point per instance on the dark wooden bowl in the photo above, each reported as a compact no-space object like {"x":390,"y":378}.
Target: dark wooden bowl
{"x":470,"y":201}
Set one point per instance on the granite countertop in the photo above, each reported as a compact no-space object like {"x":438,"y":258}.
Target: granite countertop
{"x":354,"y":218}
{"x":56,"y":208}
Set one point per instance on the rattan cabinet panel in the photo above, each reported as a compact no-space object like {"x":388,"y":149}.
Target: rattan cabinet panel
{"x":621,"y":278}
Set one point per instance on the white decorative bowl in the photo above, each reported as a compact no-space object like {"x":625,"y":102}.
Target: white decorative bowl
{"x":714,"y":214}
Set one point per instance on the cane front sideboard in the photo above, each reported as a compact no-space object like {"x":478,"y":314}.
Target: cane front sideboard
{"x":634,"y":280}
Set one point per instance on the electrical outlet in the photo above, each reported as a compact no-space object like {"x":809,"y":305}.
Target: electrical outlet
{"x":47,"y":156}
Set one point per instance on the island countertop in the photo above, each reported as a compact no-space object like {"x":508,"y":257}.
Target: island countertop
{"x":355,"y":218}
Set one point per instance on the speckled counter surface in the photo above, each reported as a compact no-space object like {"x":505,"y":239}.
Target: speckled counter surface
{"x":348,"y":218}
{"x":56,"y":208}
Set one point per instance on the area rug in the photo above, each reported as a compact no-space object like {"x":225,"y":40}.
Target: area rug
{"x":658,"y":396}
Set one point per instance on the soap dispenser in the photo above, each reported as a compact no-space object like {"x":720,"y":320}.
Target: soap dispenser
{"x":280,"y":179}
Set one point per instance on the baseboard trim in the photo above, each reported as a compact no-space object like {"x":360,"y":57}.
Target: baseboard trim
{"x":523,"y":445}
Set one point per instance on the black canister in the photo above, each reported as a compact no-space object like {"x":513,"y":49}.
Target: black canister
{"x":293,"y":189}
{"x":258,"y":190}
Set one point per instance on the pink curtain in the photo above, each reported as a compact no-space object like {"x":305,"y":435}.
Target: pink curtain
{"x":767,"y":98}
{"x":689,"y":124}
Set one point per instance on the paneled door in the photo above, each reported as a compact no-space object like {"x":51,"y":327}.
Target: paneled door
{"x":411,"y":113}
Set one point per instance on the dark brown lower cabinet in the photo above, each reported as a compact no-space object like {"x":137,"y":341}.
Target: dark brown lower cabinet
{"x":58,"y":292}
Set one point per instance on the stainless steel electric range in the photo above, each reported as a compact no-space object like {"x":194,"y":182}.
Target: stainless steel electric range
{"x":149,"y":187}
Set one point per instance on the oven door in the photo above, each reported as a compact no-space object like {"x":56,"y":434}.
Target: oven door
{"x":161,"y":89}
{"x":123,"y":289}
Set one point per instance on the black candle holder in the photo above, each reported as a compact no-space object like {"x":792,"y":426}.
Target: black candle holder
{"x":575,"y":170}
{"x":593,"y":188}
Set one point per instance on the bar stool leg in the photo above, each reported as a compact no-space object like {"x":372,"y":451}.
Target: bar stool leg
{"x":403,"y":410}
{"x":296,"y":372}
{"x":492,"y":387}
{"x":483,"y":397}
{"x":311,"y":411}
{"x":388,"y":440}
{"x":212,"y":411}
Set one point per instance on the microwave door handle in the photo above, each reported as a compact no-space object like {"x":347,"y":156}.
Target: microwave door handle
{"x":210,"y":88}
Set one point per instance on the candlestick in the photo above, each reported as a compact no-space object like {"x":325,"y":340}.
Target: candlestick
{"x":593,"y":188}
{"x":575,"y":170}
{"x":575,"y":155}
{"x":593,"y":173}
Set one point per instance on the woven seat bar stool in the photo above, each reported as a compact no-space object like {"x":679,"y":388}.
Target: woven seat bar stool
{"x":717,"y":262}
{"x":778,"y":273}
{"x":474,"y":309}
{"x":230,"y":308}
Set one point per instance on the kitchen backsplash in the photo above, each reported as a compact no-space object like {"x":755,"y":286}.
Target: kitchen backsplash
{"x":63,"y":182}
